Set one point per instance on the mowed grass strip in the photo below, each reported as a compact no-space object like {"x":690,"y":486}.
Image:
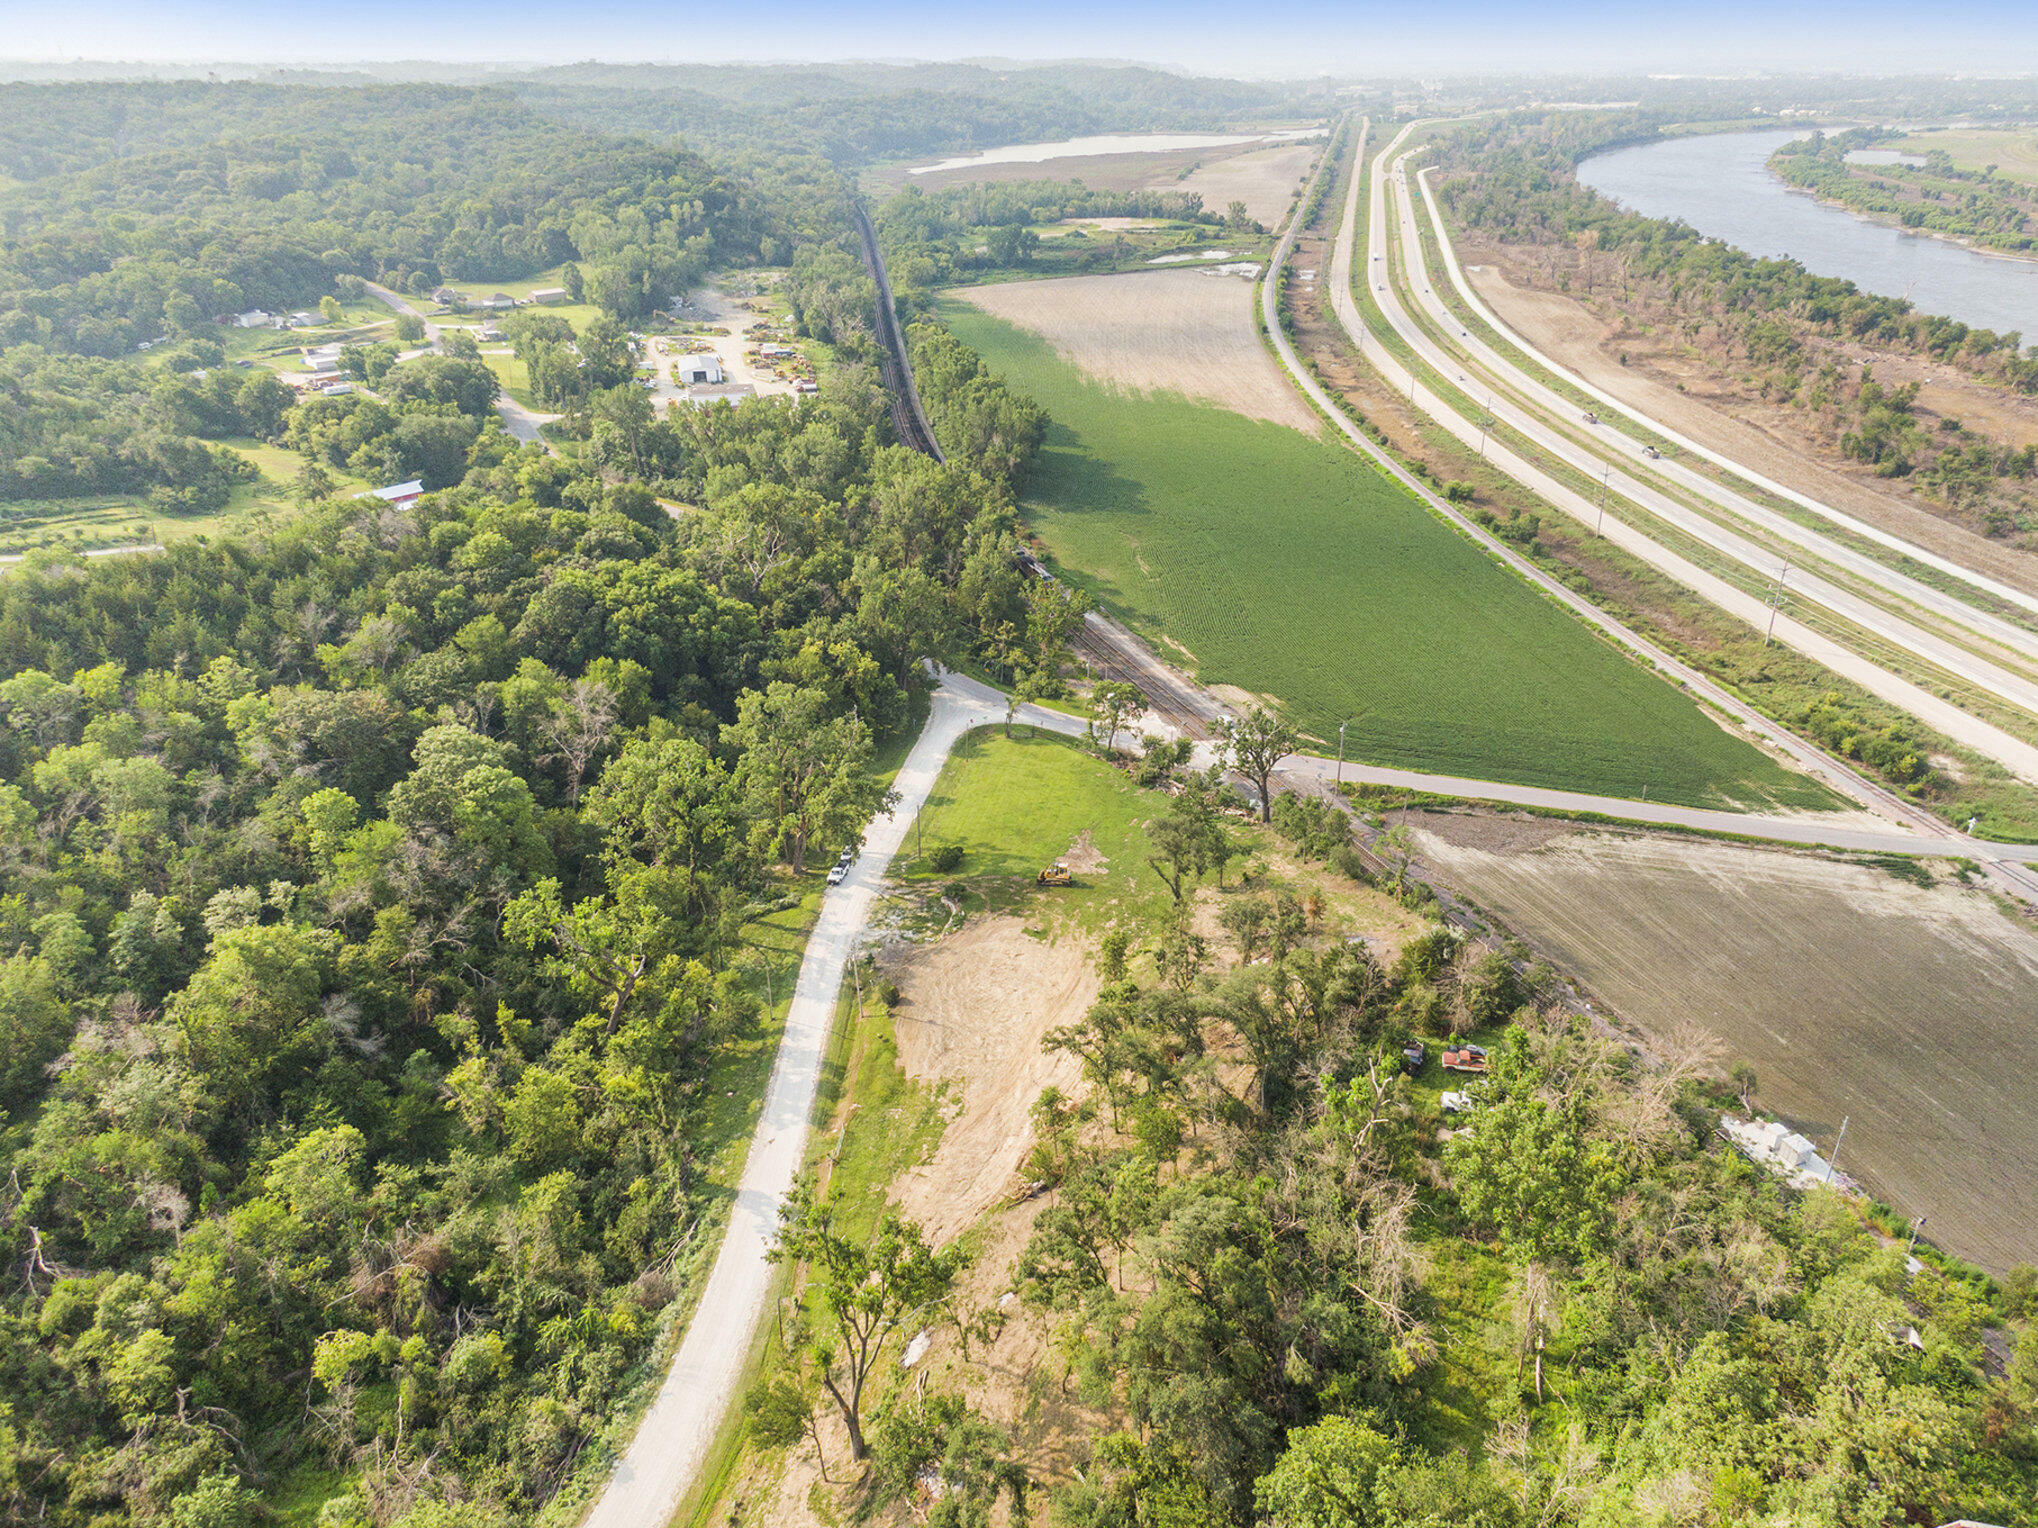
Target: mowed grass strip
{"x":1286,"y":566}
{"x":1014,"y":805}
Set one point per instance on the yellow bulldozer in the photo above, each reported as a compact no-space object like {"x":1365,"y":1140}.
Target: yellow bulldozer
{"x":1056,"y":874}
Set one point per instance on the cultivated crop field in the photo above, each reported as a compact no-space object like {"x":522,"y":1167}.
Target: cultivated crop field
{"x":1264,"y":557}
{"x":1183,"y":330}
{"x":1903,"y":1009}
{"x":1265,"y":180}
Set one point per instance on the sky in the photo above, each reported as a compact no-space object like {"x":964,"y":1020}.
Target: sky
{"x":1285,"y":38}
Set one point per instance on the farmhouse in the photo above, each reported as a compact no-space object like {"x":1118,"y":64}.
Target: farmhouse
{"x":705,"y":368}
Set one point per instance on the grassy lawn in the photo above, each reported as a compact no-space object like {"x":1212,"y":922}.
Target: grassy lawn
{"x":1015,"y":805}
{"x":117,"y":520}
{"x":1286,"y":566}
{"x":514,"y":376}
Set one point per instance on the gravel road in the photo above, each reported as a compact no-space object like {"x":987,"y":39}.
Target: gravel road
{"x":664,"y":1460}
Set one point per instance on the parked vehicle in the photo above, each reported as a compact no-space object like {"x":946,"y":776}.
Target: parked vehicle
{"x":1466,"y":1058}
{"x":1413,"y":1056}
{"x":836,"y":874}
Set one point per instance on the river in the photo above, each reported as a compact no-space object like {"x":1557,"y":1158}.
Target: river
{"x":1720,"y":184}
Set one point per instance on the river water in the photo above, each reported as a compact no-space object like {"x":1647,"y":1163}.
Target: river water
{"x":1720,"y":184}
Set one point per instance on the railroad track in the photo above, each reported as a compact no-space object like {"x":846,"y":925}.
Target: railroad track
{"x":908,"y":417}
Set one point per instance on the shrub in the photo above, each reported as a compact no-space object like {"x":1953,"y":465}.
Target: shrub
{"x":945,"y":859}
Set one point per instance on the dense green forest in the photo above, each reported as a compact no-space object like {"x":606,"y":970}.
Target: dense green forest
{"x":406,"y":185}
{"x":373,"y":903}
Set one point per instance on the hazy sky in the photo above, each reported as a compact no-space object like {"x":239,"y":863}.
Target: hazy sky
{"x":1286,"y":37}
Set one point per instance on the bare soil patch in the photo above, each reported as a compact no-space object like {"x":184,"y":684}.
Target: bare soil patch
{"x":1906,"y":1010}
{"x":1266,"y":180}
{"x":1768,"y":437}
{"x":1183,"y":331}
{"x":975,"y":1006}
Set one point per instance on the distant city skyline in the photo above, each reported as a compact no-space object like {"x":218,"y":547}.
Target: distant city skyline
{"x":1299,"y":38}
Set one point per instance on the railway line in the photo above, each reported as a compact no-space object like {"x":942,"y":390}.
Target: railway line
{"x":908,"y":416}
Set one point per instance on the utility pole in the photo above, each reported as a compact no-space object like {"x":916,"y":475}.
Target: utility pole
{"x":1775,"y":600}
{"x":1842,"y":1141}
{"x":1340,"y":753}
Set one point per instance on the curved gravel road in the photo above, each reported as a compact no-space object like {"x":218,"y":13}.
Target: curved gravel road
{"x":664,"y":1459}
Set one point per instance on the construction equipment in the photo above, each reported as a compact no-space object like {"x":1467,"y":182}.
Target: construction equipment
{"x":1057,"y":874}
{"x":1466,"y":1058}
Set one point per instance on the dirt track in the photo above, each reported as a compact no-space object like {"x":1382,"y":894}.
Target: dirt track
{"x":1852,"y":993}
{"x":1568,"y":331}
{"x":1184,"y":331}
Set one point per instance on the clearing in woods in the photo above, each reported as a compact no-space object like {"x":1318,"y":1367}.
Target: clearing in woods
{"x":1855,"y":995}
{"x":1183,"y":331}
{"x":1266,"y":180}
{"x":1285,"y":565}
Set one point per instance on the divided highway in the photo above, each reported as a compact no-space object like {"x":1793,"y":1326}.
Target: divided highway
{"x":2013,"y":752}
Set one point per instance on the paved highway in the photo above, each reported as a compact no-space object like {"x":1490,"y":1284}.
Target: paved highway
{"x":1554,"y":423}
{"x":1612,"y":404}
{"x":2014,"y":753}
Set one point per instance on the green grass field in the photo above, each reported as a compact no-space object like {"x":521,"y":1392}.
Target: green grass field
{"x":1288,"y":567}
{"x":2013,"y":151}
{"x":119,"y":520}
{"x":1016,"y":804}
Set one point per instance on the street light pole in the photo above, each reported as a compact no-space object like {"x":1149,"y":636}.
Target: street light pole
{"x":1605,"y":481}
{"x":1340,"y":753}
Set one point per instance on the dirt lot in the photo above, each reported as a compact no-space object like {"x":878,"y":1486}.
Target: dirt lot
{"x":1265,"y":180}
{"x":1185,"y":331}
{"x":1855,"y":995}
{"x":1765,"y":436}
{"x":976,"y":1005}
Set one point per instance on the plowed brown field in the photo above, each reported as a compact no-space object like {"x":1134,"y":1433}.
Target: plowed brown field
{"x":1908,"y":1011}
{"x":1182,"y":331}
{"x":1266,"y":180}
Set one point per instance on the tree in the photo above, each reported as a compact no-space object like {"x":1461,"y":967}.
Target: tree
{"x":579,"y":727}
{"x":1327,"y":1477}
{"x":1110,"y":704}
{"x":1181,"y":841}
{"x":1537,"y":1177}
{"x":330,"y":310}
{"x":863,"y":1292}
{"x":804,"y":772}
{"x":410,"y":329}
{"x":1258,"y":741}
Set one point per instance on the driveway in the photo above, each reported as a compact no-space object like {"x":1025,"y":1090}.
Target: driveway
{"x":664,"y":1460}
